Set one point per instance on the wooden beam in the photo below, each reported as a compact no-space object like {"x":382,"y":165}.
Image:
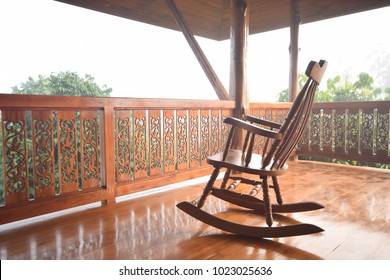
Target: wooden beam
{"x":295,"y":21}
{"x":210,"y":73}
{"x":239,"y":32}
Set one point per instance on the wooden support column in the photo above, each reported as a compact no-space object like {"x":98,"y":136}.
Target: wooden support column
{"x":295,"y":21}
{"x":209,"y":71}
{"x":239,"y":33}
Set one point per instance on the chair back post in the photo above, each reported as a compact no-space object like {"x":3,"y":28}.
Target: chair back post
{"x":296,"y":129}
{"x":297,"y":117}
{"x":228,"y":143}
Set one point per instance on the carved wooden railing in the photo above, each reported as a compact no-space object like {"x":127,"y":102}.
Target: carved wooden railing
{"x":62,"y":152}
{"x":356,"y":131}
{"x":167,"y":143}
{"x":349,"y":131}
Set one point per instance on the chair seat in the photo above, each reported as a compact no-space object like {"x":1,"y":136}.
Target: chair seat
{"x":235,"y":161}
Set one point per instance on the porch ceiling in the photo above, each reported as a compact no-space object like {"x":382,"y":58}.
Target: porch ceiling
{"x":210,"y":18}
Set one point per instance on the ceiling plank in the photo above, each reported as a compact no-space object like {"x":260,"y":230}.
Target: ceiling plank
{"x":211,"y":18}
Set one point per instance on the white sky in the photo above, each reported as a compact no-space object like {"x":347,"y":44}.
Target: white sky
{"x":139,"y":60}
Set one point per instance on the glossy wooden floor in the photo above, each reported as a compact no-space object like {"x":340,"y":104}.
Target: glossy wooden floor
{"x":356,"y":220}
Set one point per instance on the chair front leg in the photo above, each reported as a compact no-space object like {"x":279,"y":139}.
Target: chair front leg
{"x":267,"y":202}
{"x":207,"y":189}
{"x":226,"y":178}
{"x":276,"y":187}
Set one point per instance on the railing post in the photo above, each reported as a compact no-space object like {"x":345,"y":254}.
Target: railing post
{"x":295,"y":21}
{"x":108,"y":154}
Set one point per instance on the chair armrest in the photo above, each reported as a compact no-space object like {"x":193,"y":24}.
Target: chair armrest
{"x":253,"y":128}
{"x":263,"y":122}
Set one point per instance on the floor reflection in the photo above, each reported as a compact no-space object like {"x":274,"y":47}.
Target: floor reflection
{"x":357,"y":209}
{"x":240,"y":248}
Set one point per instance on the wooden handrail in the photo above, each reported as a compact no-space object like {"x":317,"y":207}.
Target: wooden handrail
{"x":27,"y":101}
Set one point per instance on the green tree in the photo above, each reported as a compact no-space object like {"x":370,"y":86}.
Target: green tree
{"x":64,"y":83}
{"x":387,"y":94}
{"x":283,"y":95}
{"x":337,"y":90}
{"x":365,"y":90}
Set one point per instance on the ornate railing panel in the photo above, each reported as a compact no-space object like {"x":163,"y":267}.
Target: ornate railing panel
{"x":48,"y":153}
{"x":356,"y":131}
{"x":349,"y":131}
{"x":154,"y":142}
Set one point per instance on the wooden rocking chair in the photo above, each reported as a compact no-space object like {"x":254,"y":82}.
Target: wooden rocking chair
{"x":241,"y":165}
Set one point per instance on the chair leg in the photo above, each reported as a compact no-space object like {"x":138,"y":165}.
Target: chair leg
{"x":226,"y":178}
{"x":267,"y":202}
{"x":276,"y":187}
{"x":207,"y":189}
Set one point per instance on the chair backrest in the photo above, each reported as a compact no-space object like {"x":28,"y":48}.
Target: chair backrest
{"x":296,"y":119}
